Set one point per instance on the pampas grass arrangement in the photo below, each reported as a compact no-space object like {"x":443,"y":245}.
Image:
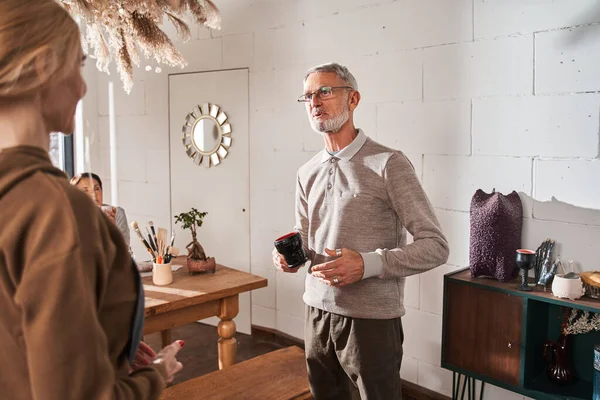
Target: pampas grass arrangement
{"x":117,"y":29}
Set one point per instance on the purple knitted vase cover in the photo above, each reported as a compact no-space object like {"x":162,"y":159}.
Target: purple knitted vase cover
{"x":496,"y":222}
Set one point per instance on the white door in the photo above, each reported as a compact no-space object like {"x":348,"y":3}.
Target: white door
{"x":222,"y":190}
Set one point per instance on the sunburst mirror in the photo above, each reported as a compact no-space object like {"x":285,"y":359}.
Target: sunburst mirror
{"x":207,"y":135}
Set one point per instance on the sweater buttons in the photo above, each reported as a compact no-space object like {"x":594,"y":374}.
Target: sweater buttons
{"x":329,"y":186}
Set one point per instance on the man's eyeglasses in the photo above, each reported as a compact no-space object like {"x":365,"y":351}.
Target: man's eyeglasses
{"x":322,"y":93}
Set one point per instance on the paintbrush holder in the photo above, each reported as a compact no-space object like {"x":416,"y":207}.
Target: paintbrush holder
{"x":162,"y":274}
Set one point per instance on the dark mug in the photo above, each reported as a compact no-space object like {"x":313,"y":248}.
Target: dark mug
{"x":290,"y":247}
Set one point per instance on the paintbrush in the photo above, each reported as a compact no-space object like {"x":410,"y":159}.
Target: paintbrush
{"x":162,"y":240}
{"x":136,"y":228}
{"x":151,"y":225}
{"x":171,"y":252}
{"x":152,"y":244}
{"x":171,"y":243}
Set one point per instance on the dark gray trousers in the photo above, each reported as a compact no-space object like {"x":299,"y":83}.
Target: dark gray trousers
{"x":346,"y":355}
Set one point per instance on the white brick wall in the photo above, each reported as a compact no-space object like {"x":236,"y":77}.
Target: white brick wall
{"x":430,"y":127}
{"x":391,"y":27}
{"x":205,"y":54}
{"x":479,"y":94}
{"x":389,"y":77}
{"x":265,"y":297}
{"x":573,"y":182}
{"x":577,"y":242}
{"x":422,"y":336}
{"x":289,"y":293}
{"x":532,"y":126}
{"x":279,"y":47}
{"x":432,"y":289}
{"x":412,"y":290}
{"x":560,"y":185}
{"x":410,"y":369}
{"x":289,"y":324}
{"x":365,"y":118}
{"x":567,"y":60}
{"x":438,"y":379}
{"x":504,"y":17}
{"x":272,"y":88}
{"x":238,"y":50}
{"x":483,"y":68}
{"x":134,"y":104}
{"x":450,"y":181}
{"x":135,"y":132}
{"x":264,"y":316}
{"x":456,"y":227}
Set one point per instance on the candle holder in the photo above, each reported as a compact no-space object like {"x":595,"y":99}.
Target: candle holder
{"x":525,"y":260}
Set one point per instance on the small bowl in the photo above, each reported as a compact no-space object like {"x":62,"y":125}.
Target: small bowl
{"x":564,"y":288}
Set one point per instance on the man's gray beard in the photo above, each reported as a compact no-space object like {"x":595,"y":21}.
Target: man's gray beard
{"x":331,"y":125}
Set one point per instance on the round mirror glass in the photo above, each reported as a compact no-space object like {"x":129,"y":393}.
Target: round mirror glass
{"x":206,"y":135}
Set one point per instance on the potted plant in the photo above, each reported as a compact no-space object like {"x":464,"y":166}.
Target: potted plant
{"x":197,"y":262}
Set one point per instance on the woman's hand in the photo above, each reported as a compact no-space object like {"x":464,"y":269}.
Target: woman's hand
{"x":110,"y":212}
{"x":143,"y":357}
{"x":167,"y":357}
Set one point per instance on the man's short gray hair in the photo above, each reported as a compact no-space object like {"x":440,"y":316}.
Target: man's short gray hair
{"x":342,"y":72}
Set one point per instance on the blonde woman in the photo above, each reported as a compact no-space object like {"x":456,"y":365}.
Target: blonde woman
{"x":71,"y":298}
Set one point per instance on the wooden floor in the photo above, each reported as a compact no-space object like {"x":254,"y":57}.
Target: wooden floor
{"x":199,"y":355}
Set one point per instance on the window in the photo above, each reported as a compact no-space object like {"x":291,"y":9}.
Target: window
{"x":61,"y":152}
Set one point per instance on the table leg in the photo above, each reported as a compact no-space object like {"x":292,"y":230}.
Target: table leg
{"x":166,"y":337}
{"x":227,"y":342}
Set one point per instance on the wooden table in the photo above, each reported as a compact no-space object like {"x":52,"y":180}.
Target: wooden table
{"x":194,"y":297}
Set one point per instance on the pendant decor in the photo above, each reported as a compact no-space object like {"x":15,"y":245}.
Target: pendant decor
{"x":207,"y":135}
{"x":118,"y":28}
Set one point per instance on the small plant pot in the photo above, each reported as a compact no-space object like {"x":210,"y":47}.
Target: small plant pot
{"x":201,"y":266}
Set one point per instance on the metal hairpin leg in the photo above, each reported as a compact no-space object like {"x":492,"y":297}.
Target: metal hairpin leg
{"x":468,"y":385}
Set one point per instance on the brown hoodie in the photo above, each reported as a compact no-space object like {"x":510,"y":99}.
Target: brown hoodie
{"x":67,"y":291}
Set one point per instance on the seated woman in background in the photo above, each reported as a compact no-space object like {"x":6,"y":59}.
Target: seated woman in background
{"x":92,"y":185}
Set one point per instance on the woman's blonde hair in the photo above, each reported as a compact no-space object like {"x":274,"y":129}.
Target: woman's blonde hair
{"x":38,"y":38}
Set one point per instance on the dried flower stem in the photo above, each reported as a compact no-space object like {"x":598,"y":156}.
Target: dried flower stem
{"x":128,"y":23}
{"x":577,"y":322}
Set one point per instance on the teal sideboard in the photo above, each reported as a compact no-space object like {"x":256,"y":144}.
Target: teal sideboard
{"x":495,"y":333}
